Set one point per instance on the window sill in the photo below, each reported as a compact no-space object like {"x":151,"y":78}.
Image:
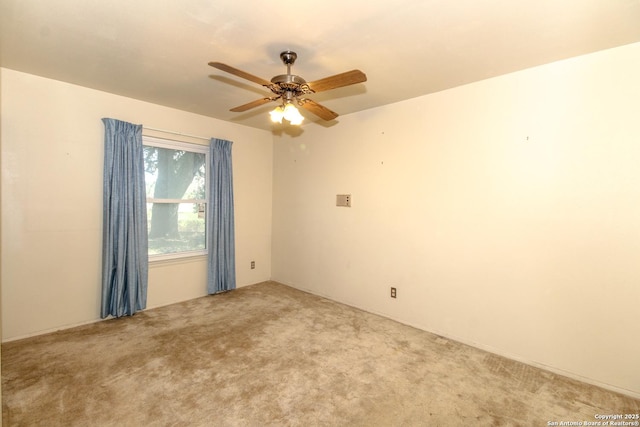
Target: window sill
{"x":177,"y":258}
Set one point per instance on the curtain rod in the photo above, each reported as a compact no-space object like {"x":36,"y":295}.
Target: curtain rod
{"x":176,"y":133}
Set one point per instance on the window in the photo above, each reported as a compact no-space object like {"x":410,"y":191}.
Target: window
{"x":176,"y":183}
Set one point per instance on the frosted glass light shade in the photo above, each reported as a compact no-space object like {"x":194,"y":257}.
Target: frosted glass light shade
{"x":289,"y":113}
{"x":277,"y":115}
{"x":292,"y":114}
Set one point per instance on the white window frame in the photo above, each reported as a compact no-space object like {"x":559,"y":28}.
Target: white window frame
{"x":184,"y":146}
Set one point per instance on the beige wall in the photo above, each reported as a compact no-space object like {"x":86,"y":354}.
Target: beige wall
{"x":506,"y":213}
{"x":52,"y":154}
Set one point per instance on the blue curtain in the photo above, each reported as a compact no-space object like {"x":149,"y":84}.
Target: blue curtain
{"x":124,"y":238}
{"x":221,"y":269}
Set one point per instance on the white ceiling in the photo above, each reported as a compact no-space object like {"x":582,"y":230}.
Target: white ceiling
{"x":158,"y":50}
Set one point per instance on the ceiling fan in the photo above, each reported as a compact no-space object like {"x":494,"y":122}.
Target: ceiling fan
{"x":290,"y":88}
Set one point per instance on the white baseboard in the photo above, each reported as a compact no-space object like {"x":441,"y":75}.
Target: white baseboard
{"x":48,"y":331}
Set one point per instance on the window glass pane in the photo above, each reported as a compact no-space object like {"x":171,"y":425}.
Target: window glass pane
{"x":176,"y":227}
{"x":174,"y":174}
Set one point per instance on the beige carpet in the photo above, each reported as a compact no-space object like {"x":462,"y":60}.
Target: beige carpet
{"x":271,"y":355}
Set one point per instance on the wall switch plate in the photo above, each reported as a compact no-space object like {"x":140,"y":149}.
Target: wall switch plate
{"x":393,"y":292}
{"x":253,"y":265}
{"x":343,"y":200}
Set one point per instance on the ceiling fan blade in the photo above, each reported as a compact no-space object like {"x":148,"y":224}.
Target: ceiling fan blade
{"x":317,"y":109}
{"x":252,"y":104}
{"x":240,"y":73}
{"x":339,"y":80}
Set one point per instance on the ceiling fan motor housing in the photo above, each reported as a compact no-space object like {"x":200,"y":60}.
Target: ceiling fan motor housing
{"x":289,"y":85}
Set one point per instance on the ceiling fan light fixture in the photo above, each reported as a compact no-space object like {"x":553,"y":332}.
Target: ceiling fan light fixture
{"x":289,"y":112}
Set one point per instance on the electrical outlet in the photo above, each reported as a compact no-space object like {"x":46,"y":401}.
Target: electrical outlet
{"x":253,"y":265}
{"x":393,"y":292}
